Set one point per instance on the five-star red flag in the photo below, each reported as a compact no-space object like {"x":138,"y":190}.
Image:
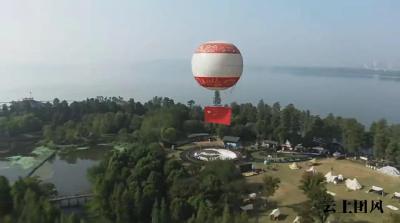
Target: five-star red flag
{"x":218,"y":115}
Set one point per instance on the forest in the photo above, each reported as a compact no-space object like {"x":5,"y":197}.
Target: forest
{"x":161,"y":119}
{"x":140,"y":184}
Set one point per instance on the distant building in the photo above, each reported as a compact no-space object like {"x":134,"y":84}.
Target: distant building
{"x":246,"y":167}
{"x":231,"y":142}
{"x":318,"y":150}
{"x":28,"y":102}
{"x":197,"y":137}
{"x":299,"y":148}
{"x":269,"y":144}
{"x":287,"y":146}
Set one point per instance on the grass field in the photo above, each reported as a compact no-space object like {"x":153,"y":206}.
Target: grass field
{"x":289,"y":198}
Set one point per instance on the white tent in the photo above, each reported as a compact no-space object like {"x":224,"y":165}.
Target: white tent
{"x":378,"y":190}
{"x":275,"y":213}
{"x":294,"y":166}
{"x":248,"y":207}
{"x":330,"y":178}
{"x":297,"y":219}
{"x":396,"y":195}
{"x":353,"y":184}
{"x":336,"y":154}
{"x":389,"y":170}
{"x":375,"y":188}
{"x":392,"y":207}
{"x":312,"y":170}
{"x":328,"y":175}
{"x":331,"y":193}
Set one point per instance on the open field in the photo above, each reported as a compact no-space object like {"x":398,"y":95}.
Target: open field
{"x":289,"y":198}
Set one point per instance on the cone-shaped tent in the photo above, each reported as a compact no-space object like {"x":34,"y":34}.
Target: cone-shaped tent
{"x":294,"y":166}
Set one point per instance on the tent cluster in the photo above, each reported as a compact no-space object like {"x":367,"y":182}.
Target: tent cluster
{"x":330,"y":178}
{"x":274,"y":215}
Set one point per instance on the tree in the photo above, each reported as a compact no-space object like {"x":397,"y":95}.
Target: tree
{"x":309,"y":181}
{"x":6,"y":200}
{"x":169,"y":134}
{"x":201,"y":216}
{"x":379,"y":132}
{"x":242,"y":218}
{"x":270,"y":185}
{"x":314,"y":187}
{"x":226,"y":215}
{"x":190,"y":103}
{"x":164,"y":212}
{"x":155,"y":214}
{"x":392,"y":150}
{"x":353,"y":134}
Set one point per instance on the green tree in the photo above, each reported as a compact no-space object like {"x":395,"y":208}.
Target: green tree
{"x":201,"y":216}
{"x":353,"y":135}
{"x":6,"y":200}
{"x":190,"y":103}
{"x":164,"y":212}
{"x":380,"y":134}
{"x":270,"y":185}
{"x":155,"y":214}
{"x":169,"y":134}
{"x":314,"y":187}
{"x":226,"y":215}
{"x":309,"y":181}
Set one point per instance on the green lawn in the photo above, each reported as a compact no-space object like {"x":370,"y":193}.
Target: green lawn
{"x":289,"y":198}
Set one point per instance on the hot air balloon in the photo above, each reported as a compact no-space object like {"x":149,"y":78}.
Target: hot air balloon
{"x":217,"y":65}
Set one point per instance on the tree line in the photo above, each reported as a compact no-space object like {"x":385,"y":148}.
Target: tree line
{"x":164,"y":120}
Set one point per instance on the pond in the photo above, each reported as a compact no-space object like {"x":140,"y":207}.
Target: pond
{"x":67,"y":170}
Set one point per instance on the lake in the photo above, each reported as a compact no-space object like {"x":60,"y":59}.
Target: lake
{"x":344,"y":92}
{"x":347,"y":93}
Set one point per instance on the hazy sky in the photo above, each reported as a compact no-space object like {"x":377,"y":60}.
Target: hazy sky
{"x":317,"y":33}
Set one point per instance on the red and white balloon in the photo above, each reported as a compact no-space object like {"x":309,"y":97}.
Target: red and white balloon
{"x":217,"y":65}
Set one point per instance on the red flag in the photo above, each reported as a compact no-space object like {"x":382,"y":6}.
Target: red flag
{"x":218,"y":115}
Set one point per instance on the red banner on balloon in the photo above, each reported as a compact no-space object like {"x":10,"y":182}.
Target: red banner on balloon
{"x":218,"y":115}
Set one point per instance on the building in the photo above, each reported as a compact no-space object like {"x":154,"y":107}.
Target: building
{"x":198,"y":137}
{"x":246,"y":167}
{"x":269,"y":144}
{"x":287,"y":146}
{"x":232,"y":142}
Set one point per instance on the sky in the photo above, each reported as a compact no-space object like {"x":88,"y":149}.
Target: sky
{"x":99,"y":33}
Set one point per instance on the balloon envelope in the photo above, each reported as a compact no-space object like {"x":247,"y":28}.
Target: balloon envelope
{"x":217,"y":65}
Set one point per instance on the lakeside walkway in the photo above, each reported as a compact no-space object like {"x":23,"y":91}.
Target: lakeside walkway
{"x":41,"y":163}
